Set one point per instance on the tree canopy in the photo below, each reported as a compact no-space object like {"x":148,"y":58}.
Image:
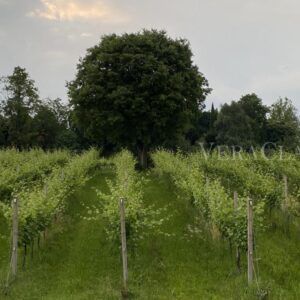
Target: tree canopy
{"x":137,"y":91}
{"x":18,"y":106}
{"x":242,"y":123}
{"x":284,"y":124}
{"x":27,"y":121}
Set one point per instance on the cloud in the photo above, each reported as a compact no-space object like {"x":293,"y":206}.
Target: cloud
{"x":83,"y":35}
{"x":86,"y":35}
{"x":72,"y":10}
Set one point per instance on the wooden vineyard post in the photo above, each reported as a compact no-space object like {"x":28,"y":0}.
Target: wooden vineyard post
{"x":124,"y":246}
{"x":238,"y":254}
{"x":207,"y":182}
{"x":250,"y":241}
{"x":15,"y":233}
{"x":286,"y":192}
{"x":285,"y":205}
{"x":206,"y":186}
{"x":235,"y":200}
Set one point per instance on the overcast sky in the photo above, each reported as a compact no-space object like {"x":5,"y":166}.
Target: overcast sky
{"x":241,"y":46}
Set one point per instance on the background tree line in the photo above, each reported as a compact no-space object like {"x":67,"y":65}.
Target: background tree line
{"x":138,"y":91}
{"x":26,"y":121}
{"x":249,"y":123}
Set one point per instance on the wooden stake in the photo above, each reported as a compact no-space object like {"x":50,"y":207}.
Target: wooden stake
{"x":286,"y":192}
{"x":286,"y":205}
{"x":45,"y":189}
{"x":235,"y":200}
{"x":207,"y":182}
{"x":15,"y":234}
{"x":207,"y":186}
{"x":238,"y":254}
{"x":38,"y":241}
{"x":124,"y":246}
{"x":32,"y":249}
{"x":250,"y":240}
{"x":24,"y":256}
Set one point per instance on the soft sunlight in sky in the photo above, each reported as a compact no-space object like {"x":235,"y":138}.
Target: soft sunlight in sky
{"x":64,"y":10}
{"x":241,"y":47}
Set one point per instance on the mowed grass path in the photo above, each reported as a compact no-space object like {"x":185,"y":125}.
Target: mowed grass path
{"x":76,"y":261}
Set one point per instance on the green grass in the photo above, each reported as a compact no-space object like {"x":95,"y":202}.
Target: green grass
{"x":76,"y":261}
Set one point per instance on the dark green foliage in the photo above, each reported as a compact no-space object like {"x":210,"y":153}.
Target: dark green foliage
{"x":203,"y":129}
{"x":248,"y":122}
{"x":211,"y":134}
{"x":234,"y":126}
{"x":137,"y":91}
{"x":257,"y":112}
{"x":243,"y":122}
{"x":283,"y":124}
{"x":51,"y":127}
{"x":19,"y":106}
{"x":45,"y":127}
{"x":26,"y":121}
{"x":3,"y":130}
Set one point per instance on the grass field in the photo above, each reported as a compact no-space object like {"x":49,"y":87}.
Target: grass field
{"x":76,"y":262}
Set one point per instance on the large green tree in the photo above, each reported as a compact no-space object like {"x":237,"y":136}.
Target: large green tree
{"x":204,"y":129}
{"x":45,"y":127}
{"x":3,"y":131}
{"x":284,"y":124}
{"x":137,"y":91}
{"x":257,"y":112}
{"x":242,"y":123}
{"x":233,"y":126}
{"x":19,"y":103}
{"x":26,"y":121}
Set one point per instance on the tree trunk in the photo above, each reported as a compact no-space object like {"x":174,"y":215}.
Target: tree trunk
{"x":142,"y":153}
